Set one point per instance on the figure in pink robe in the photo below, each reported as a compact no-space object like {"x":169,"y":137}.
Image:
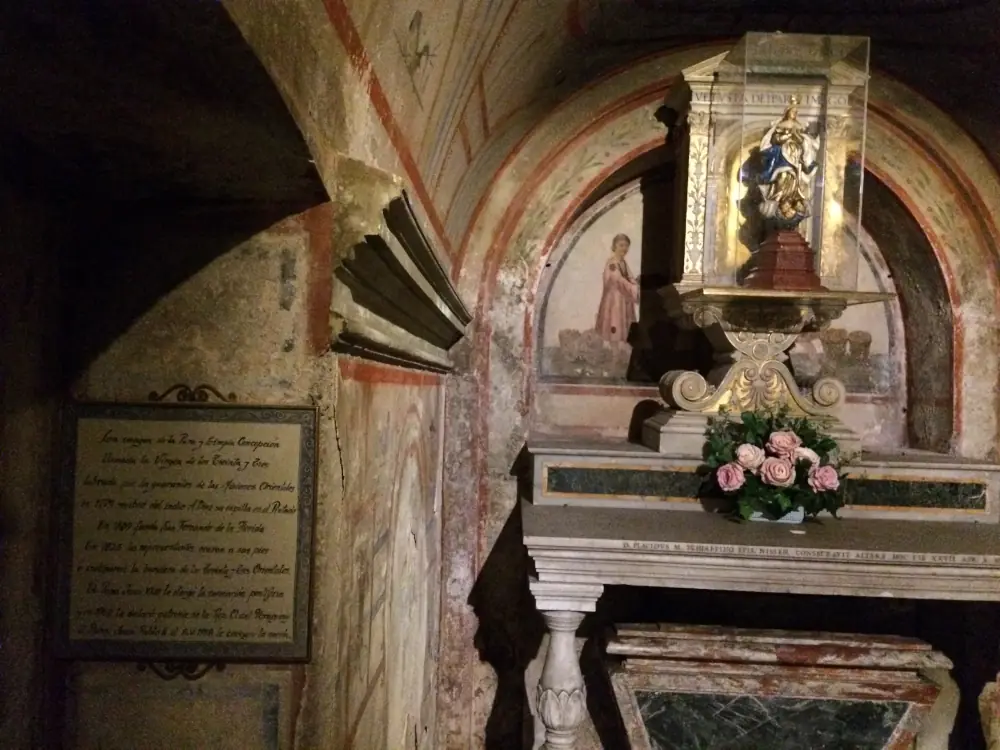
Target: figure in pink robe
{"x":616,"y":313}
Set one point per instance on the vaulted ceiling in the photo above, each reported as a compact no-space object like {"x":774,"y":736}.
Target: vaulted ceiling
{"x":166,"y":102}
{"x":460,"y":82}
{"x":158,"y":102}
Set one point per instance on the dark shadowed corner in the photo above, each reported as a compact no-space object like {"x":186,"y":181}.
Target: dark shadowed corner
{"x":510,"y":629}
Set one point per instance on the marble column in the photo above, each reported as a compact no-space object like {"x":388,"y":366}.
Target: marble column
{"x":562,"y":695}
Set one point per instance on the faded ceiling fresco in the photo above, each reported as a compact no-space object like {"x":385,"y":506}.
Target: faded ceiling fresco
{"x":466,"y":80}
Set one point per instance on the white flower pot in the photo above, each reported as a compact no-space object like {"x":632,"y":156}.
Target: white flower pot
{"x":793,"y":516}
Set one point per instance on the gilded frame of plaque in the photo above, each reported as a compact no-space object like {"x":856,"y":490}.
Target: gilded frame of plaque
{"x":183,"y":604}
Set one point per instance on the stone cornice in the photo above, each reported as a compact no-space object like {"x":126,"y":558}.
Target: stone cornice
{"x":695,"y":549}
{"x":394,"y":302}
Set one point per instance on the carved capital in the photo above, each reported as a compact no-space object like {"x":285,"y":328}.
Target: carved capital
{"x":698,"y":122}
{"x":557,"y":599}
{"x":838,"y":126}
{"x":562,"y":712}
{"x":562,"y":621}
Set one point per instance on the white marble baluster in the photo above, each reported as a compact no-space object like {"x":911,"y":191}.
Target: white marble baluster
{"x":562,"y":695}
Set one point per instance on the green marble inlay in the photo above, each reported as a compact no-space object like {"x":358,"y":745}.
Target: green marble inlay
{"x":899,"y":493}
{"x":679,"y":721}
{"x":884,"y":492}
{"x":579,"y":480}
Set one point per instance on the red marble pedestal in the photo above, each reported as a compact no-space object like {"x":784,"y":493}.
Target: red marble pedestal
{"x":784,"y":261}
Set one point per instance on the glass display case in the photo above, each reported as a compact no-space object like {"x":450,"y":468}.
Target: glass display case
{"x":794,"y":154}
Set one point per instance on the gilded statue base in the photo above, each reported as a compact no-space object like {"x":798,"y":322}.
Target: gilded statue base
{"x":784,"y":261}
{"x":751,"y":331}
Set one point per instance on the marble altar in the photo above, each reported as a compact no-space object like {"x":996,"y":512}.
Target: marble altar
{"x":912,"y":485}
{"x":578,"y":550}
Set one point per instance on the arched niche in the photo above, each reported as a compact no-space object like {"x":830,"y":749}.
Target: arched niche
{"x":574,"y":345}
{"x":581,"y":375}
{"x":926,"y":315}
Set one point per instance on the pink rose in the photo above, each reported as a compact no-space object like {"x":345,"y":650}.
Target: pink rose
{"x":823,"y":479}
{"x":783,"y":443}
{"x":730,"y":477}
{"x":806,"y":454}
{"x":777,"y":472}
{"x":750,"y":457}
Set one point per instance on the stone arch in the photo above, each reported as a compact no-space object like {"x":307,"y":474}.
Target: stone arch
{"x":939,"y":173}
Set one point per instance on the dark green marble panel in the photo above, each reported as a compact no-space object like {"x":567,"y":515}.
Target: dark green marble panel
{"x":600,"y":481}
{"x":899,"y":493}
{"x":892,"y":493}
{"x":683,"y":721}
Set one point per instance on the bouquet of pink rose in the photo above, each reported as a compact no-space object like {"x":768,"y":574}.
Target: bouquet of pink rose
{"x":773,"y":464}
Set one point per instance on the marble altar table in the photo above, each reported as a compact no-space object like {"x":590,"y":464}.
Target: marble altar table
{"x":578,"y":548}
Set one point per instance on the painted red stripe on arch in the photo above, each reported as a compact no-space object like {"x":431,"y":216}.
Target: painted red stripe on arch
{"x":593,"y":83}
{"x":369,"y":372}
{"x":633,"y":100}
{"x":972,"y":205}
{"x":343,"y":24}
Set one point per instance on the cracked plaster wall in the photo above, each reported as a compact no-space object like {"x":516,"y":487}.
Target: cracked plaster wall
{"x":246,"y":323}
{"x":241,"y":324}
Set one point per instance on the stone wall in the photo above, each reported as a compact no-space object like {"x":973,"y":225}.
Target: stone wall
{"x":253,"y":321}
{"x":30,"y":231}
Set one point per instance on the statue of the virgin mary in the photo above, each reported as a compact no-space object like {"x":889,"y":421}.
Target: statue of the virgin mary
{"x":788,"y":164}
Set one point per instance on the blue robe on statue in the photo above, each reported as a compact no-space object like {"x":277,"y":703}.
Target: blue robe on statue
{"x":773,"y":159}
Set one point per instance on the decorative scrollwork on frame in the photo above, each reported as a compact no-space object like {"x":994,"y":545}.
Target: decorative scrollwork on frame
{"x":686,"y":390}
{"x":200,"y":394}
{"x":828,"y":393}
{"x":761,"y":347}
{"x":171,"y":670}
{"x":694,"y":220}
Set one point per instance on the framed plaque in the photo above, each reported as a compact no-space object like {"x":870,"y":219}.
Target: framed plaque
{"x":185,"y":532}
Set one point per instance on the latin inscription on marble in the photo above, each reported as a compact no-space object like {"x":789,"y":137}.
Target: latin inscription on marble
{"x":184,"y":531}
{"x":768,"y":98}
{"x":733,"y":550}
